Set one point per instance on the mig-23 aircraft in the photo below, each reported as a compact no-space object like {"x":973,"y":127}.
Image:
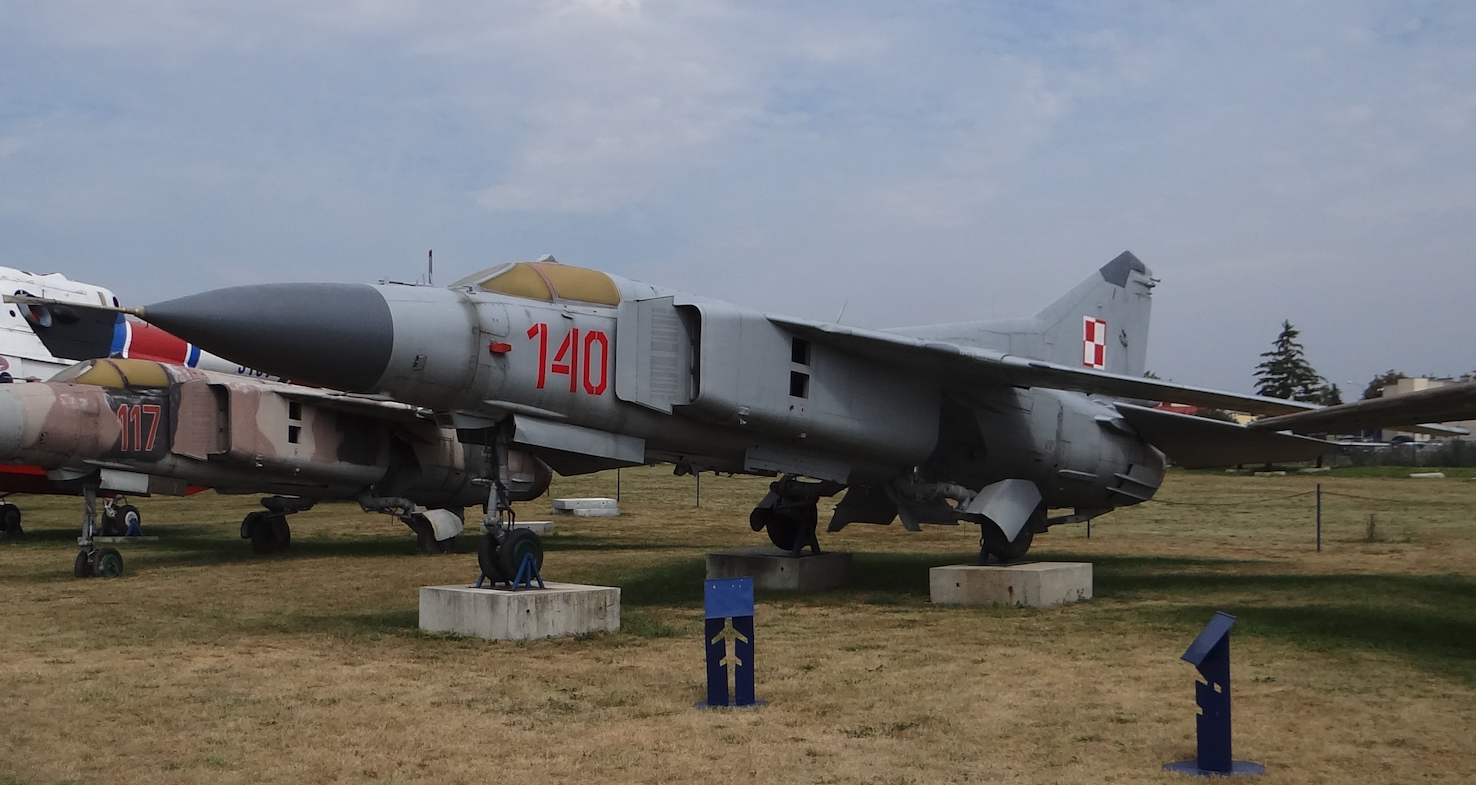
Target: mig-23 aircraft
{"x":40,"y":339}
{"x":995,"y":423}
{"x":142,"y":427}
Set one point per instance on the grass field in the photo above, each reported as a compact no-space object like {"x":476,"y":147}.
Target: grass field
{"x":203,"y":663}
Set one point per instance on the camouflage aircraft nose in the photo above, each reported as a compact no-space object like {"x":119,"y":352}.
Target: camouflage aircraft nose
{"x":334,"y":335}
{"x":12,"y":422}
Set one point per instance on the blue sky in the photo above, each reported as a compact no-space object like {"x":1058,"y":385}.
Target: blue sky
{"x":912,"y":162}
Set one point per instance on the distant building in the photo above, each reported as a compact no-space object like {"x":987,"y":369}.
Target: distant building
{"x":1415,"y":384}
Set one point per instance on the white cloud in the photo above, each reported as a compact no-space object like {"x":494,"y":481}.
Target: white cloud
{"x":1268,"y":160}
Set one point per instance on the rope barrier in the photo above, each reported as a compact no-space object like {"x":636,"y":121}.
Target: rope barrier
{"x":1325,"y":492}
{"x":1233,"y":504}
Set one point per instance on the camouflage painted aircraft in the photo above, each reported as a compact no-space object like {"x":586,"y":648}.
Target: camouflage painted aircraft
{"x":40,"y":339}
{"x":142,"y":427}
{"x":994,"y":423}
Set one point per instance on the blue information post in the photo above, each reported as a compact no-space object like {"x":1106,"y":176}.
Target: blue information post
{"x":1210,"y":653}
{"x":728,"y":637}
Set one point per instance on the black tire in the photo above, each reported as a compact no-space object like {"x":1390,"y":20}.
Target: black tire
{"x":760,"y":518}
{"x":10,"y":519}
{"x":248,"y":524}
{"x":283,"y":530}
{"x":518,"y":544}
{"x":1001,"y":548}
{"x":783,"y":529}
{"x":425,"y":537}
{"x":107,"y":563}
{"x":82,"y":565}
{"x":128,"y":516}
{"x":487,"y":552}
{"x":269,"y":533}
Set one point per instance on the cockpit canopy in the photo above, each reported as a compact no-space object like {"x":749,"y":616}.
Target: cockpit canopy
{"x":547,"y":280}
{"x":117,"y":374}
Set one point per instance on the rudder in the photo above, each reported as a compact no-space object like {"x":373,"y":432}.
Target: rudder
{"x":1102,"y":324}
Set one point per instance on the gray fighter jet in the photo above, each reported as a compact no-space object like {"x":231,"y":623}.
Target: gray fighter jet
{"x":995,"y":423}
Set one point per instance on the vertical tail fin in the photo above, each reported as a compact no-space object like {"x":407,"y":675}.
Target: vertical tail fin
{"x":1103,"y":322}
{"x":1100,"y":324}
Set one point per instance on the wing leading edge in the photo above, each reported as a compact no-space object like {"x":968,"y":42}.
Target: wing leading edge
{"x":981,"y":366}
{"x":1414,"y":410}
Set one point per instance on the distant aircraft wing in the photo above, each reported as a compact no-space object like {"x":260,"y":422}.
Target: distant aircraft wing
{"x":349,"y":403}
{"x":1202,"y":443}
{"x":1414,"y":411}
{"x":980,"y":366}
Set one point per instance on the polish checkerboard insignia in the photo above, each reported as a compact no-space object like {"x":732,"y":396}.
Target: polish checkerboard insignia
{"x":1094,"y":343}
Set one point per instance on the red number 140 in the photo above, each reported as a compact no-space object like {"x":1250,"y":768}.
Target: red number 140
{"x":574,"y":358}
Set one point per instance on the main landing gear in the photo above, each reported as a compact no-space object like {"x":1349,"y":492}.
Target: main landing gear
{"x":994,"y":542}
{"x":790,"y":513}
{"x":268,"y":529}
{"x":10,"y":520}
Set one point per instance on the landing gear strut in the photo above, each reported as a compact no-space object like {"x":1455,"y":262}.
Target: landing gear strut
{"x":790,"y":513}
{"x":91,"y":560}
{"x":503,"y":549}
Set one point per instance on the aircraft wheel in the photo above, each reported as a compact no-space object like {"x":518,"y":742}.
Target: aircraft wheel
{"x":282,"y":530}
{"x":760,"y":518}
{"x":995,"y":542}
{"x":269,"y":533}
{"x":82,"y":565}
{"x":128,"y":519}
{"x":107,"y":563}
{"x":487,"y":558}
{"x":518,"y":544}
{"x":10,"y":519}
{"x":425,"y":537}
{"x":783,"y":530}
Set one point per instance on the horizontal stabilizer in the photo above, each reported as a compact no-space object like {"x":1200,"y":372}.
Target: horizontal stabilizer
{"x":967,"y":365}
{"x":1421,"y":409}
{"x":1202,"y":443}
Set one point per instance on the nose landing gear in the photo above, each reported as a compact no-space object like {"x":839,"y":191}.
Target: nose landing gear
{"x":92,"y":561}
{"x":503,"y":550}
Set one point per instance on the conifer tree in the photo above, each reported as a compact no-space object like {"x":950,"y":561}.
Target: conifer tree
{"x":1285,"y":372}
{"x":1376,"y":387}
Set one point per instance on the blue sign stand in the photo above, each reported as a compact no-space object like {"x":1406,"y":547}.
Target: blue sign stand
{"x":527,"y":574}
{"x":728,"y":638}
{"x":1210,"y":653}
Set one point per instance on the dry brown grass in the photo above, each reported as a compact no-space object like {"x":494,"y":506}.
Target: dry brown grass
{"x":203,"y":664}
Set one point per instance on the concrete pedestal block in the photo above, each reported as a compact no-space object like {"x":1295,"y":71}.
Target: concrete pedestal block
{"x":772,"y":568}
{"x":498,"y":614}
{"x":1036,"y":584}
{"x":594,"y":507}
{"x":537,"y":527}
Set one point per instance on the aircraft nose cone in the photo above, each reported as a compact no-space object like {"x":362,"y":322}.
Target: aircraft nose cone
{"x":329,"y":334}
